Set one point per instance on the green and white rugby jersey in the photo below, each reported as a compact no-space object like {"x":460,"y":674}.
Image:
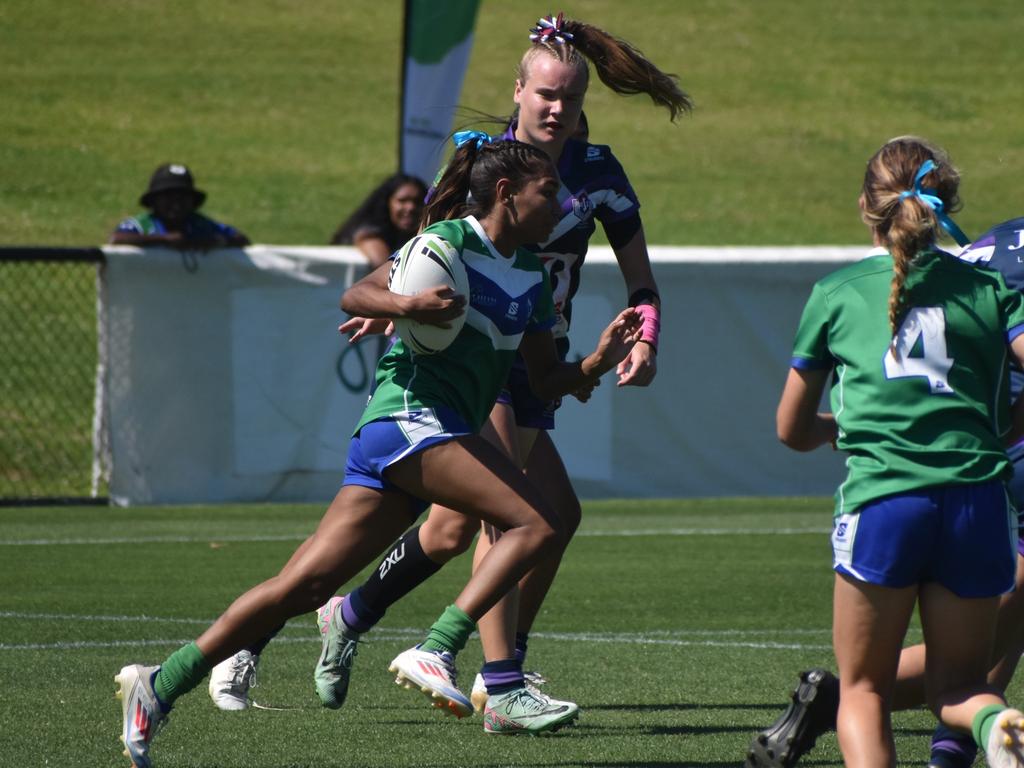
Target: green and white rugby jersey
{"x":508,"y":296}
{"x":934,"y":412}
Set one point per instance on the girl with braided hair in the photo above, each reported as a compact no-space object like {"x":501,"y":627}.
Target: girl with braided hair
{"x":918,"y":341}
{"x":417,"y":440}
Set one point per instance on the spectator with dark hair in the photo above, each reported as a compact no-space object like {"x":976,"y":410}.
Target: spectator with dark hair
{"x":386,"y":219}
{"x":173,"y":219}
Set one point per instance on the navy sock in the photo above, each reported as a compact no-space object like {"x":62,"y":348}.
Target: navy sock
{"x":522,"y":639}
{"x":356,"y":614}
{"x":952,"y":749}
{"x":403,"y":568}
{"x":502,"y":676}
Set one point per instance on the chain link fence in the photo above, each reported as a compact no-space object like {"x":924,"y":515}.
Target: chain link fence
{"x":48,"y":375}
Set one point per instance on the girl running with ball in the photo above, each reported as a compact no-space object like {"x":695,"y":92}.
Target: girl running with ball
{"x":418,"y":442}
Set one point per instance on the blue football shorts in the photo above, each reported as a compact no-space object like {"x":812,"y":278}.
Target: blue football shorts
{"x":1016,"y":488}
{"x":385,"y":441}
{"x":964,"y":537}
{"x":529,"y":410}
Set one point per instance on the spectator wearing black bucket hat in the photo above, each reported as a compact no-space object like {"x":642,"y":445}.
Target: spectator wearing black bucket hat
{"x":173,"y":219}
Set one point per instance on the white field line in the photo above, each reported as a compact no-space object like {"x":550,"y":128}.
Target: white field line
{"x":710,"y":638}
{"x":629,"y":533}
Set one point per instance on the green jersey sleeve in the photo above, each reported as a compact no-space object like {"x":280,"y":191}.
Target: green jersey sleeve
{"x":810,"y":349}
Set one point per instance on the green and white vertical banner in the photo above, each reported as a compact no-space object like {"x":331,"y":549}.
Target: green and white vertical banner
{"x":438,"y":43}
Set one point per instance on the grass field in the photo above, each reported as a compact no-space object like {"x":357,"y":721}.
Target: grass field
{"x":678,"y":626}
{"x":288,"y":111}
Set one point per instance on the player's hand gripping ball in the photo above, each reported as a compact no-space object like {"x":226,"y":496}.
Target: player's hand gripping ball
{"x":425,"y":262}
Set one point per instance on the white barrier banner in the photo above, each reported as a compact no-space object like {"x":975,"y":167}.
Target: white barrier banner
{"x":226,"y":378}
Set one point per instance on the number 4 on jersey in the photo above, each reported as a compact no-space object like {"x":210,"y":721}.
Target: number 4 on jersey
{"x":920,"y":349}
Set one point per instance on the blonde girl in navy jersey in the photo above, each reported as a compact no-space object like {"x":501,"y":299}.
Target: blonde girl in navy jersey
{"x":916,"y":344}
{"x":394,"y":471}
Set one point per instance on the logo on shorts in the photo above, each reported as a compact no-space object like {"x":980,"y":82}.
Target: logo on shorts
{"x":841,"y":531}
{"x":513,"y":310}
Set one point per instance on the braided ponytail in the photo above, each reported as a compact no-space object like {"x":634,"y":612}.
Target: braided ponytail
{"x":901,"y":217}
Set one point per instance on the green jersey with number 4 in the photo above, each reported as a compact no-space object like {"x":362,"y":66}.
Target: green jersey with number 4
{"x":930,"y":407}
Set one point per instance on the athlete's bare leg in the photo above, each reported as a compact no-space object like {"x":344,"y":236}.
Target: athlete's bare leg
{"x":468,"y":474}
{"x":868,"y":626}
{"x":1009,"y":644}
{"x":544,"y":468}
{"x":446,"y":533}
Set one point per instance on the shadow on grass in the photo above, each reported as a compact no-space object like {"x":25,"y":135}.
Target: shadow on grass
{"x":678,"y":707}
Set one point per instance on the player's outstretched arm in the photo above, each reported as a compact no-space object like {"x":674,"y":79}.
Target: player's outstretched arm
{"x":640,"y":365}
{"x":797,"y":421}
{"x":551,"y":378}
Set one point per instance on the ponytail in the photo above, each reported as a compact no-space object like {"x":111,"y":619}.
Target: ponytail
{"x":909,"y":187}
{"x":467,"y":186}
{"x":620,"y":66}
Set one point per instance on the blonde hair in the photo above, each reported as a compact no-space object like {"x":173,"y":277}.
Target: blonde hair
{"x":904,"y":223}
{"x":620,"y":66}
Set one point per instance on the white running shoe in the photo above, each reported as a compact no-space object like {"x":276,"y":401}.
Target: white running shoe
{"x":524,"y":710}
{"x":534,"y":678}
{"x":434,"y":674}
{"x":479,"y":693}
{"x":141,"y":713}
{"x":231,"y":680}
{"x":1005,"y":748}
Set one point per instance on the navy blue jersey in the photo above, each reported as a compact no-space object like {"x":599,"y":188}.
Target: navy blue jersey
{"x":1002,"y":249}
{"x":594,"y":186}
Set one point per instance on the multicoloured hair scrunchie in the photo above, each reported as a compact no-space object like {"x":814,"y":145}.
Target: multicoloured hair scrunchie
{"x":550,"y":28}
{"x":933,"y":201}
{"x":461,"y":137}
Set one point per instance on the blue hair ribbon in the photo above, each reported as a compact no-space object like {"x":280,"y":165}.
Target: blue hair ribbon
{"x":462,"y":137}
{"x":933,"y":201}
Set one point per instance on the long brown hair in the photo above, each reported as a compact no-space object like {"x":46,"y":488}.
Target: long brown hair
{"x":468,"y":184}
{"x":620,"y":66}
{"x":903,"y":222}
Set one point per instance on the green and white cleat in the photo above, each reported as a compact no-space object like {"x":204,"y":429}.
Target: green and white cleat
{"x":479,"y":694}
{"x":325,"y":611}
{"x":1005,"y":748}
{"x":334,"y":668}
{"x":432,"y":673}
{"x":141,"y":714}
{"x":526,"y":710}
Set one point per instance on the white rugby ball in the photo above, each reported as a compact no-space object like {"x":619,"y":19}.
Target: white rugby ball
{"x":424,"y":262}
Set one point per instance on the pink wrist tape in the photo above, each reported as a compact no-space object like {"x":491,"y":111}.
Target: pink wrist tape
{"x":652,"y":324}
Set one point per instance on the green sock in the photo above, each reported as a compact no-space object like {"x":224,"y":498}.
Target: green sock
{"x":982,"y":724}
{"x":184,"y":670}
{"x":450,"y":632}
